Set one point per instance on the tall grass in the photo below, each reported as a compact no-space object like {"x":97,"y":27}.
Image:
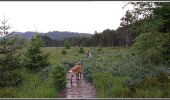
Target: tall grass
{"x":110,"y":70}
{"x":34,"y":87}
{"x":41,"y":85}
{"x":118,"y":73}
{"x":109,"y":86}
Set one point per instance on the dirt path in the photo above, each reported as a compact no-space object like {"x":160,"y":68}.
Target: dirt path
{"x":78,"y":89}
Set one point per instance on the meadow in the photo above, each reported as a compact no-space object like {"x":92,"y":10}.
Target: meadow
{"x":112,"y":71}
{"x":41,"y":85}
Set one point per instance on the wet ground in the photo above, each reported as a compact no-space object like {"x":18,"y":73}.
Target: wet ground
{"x":78,"y":89}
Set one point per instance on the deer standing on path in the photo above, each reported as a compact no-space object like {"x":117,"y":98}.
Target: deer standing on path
{"x":76,"y":70}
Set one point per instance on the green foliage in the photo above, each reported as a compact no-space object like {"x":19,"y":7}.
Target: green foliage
{"x":9,"y":61}
{"x":88,"y":70}
{"x":7,"y":92}
{"x":34,"y":59}
{"x":99,"y":48}
{"x":64,"y":52}
{"x":157,"y":80}
{"x":40,"y":84}
{"x":68,"y":64}
{"x":145,"y":93}
{"x":102,"y":67}
{"x":109,"y":86}
{"x":45,"y":73}
{"x":59,"y":76}
{"x":81,"y":50}
{"x":36,"y":86}
{"x":151,"y":49}
{"x":66,"y":45}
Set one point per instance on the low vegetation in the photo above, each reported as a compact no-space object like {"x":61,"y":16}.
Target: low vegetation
{"x":138,"y":69}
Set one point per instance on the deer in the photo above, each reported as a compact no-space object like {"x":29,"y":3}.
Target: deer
{"x":76,"y":70}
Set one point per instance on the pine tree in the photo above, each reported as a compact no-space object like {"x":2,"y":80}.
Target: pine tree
{"x":9,"y":63}
{"x":35,"y":60}
{"x":66,"y":44}
{"x":126,"y":21}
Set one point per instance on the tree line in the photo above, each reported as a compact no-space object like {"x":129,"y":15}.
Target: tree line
{"x":124,"y":35}
{"x":107,"y":38}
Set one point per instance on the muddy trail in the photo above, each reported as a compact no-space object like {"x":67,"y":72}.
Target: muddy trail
{"x":78,"y":89}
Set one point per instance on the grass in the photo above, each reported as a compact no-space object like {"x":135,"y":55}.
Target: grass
{"x":109,"y":86}
{"x":57,"y":57}
{"x":152,"y":92}
{"x":108,"y":70}
{"x":33,"y":86}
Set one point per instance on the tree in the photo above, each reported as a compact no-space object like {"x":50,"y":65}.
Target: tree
{"x":9,"y":63}
{"x":126,"y":21}
{"x":142,"y":10}
{"x":48,"y":42}
{"x":66,"y":44}
{"x":35,"y":60}
{"x":156,"y":27}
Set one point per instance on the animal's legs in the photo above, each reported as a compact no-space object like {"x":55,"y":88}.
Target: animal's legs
{"x":77,"y":76}
{"x":71,"y":79}
{"x":80,"y":74}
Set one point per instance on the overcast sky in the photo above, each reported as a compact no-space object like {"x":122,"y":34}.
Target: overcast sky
{"x":74,"y":16}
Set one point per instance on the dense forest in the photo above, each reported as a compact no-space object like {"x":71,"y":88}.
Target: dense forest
{"x":107,"y":38}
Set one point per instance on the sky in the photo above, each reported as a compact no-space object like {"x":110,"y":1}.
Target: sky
{"x":73,"y":16}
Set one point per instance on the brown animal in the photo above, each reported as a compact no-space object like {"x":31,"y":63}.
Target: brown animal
{"x":76,"y":70}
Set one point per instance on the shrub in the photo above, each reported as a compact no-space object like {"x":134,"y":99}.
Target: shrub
{"x":45,"y":73}
{"x":64,"y":52}
{"x":10,"y":79}
{"x":99,"y":48}
{"x":34,"y":59}
{"x":66,"y":45}
{"x":81,"y":50}
{"x":68,"y":64}
{"x":151,"y":50}
{"x":7,"y":92}
{"x":59,"y":76}
{"x":88,"y":72}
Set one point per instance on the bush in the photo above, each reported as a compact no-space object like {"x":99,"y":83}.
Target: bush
{"x":81,"y":50}
{"x":59,"y":76}
{"x":88,"y":72}
{"x":66,"y":45}
{"x":7,"y":92}
{"x":45,"y":73}
{"x":68,"y":64}
{"x":8,"y":75}
{"x":146,"y":85}
{"x":99,"y":48}
{"x":34,"y":59}
{"x":10,"y":79}
{"x":64,"y":52}
{"x":151,"y":50}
